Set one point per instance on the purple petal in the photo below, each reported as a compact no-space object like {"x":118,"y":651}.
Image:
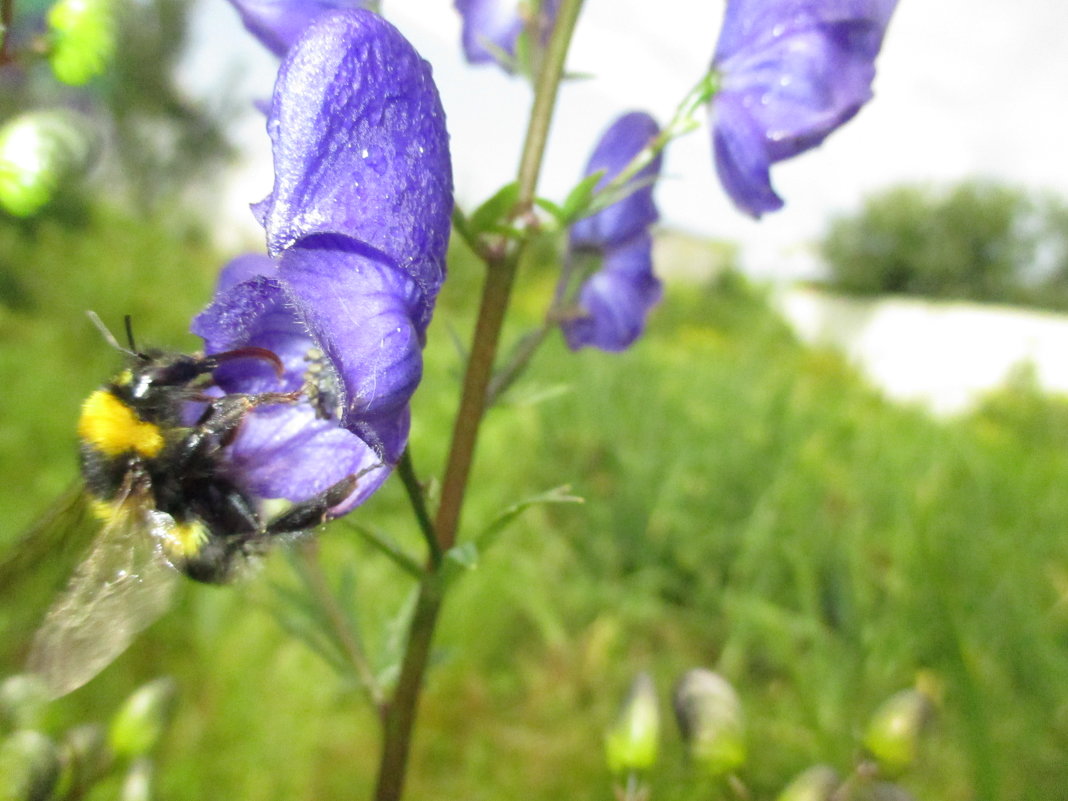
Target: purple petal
{"x":791,"y":73}
{"x":616,"y":300}
{"x":626,"y":137}
{"x":279,"y":23}
{"x":489,"y":26}
{"x":359,"y":312}
{"x":360,"y":149}
{"x":492,"y":28}
{"x":287,"y":452}
{"x":751,"y":24}
{"x":741,"y":155}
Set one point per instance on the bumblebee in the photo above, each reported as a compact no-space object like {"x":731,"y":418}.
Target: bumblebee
{"x":152,"y":445}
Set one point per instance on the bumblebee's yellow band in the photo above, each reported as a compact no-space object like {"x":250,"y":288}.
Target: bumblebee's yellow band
{"x":112,"y":427}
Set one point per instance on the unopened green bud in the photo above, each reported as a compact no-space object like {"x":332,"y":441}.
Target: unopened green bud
{"x":83,"y":39}
{"x":817,"y":783}
{"x":141,"y":720}
{"x":710,"y":717}
{"x":137,"y":786}
{"x":39,"y":150}
{"x":895,"y":731}
{"x":29,"y":767}
{"x":86,"y":758}
{"x":631,"y":744}
{"x":23,"y":699}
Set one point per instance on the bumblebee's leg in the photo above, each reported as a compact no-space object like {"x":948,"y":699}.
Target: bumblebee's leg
{"x":312,"y":512}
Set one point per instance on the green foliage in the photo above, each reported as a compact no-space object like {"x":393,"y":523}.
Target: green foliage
{"x":750,"y":505}
{"x":977,"y":240}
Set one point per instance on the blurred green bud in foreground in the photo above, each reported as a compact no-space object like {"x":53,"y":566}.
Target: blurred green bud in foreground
{"x":39,"y":151}
{"x":23,"y":699}
{"x":137,"y":786}
{"x":817,"y":783}
{"x":29,"y":767}
{"x":86,"y":758}
{"x":632,"y":743}
{"x":711,"y":720}
{"x":895,"y":731}
{"x":83,"y":39}
{"x":142,"y":719}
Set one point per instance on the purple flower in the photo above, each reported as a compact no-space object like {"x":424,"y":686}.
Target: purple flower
{"x":790,"y":73}
{"x":614,"y":302}
{"x":279,"y":23}
{"x":491,"y":28}
{"x":357,"y":227}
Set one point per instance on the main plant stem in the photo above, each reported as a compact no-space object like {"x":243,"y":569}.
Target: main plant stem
{"x":496,"y":292}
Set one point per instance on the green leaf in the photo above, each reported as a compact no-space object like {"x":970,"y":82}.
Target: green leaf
{"x":395,"y":640}
{"x":491,"y":533}
{"x":578,"y":200}
{"x":460,"y":559}
{"x":492,"y":215}
{"x":388,"y":546}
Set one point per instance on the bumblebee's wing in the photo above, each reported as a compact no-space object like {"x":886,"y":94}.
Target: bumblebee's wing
{"x":123,"y":585}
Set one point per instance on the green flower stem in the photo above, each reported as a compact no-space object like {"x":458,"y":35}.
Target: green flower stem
{"x":496,"y":292}
{"x":7,"y":14}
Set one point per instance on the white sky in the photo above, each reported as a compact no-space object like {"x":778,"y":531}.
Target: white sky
{"x":965,"y":87}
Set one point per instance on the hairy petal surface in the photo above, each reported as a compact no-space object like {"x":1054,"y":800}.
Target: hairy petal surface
{"x":360,"y":149}
{"x":791,"y":73}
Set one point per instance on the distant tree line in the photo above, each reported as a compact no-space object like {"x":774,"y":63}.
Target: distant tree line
{"x":976,"y":240}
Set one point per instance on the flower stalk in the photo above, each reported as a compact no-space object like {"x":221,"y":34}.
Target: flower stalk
{"x":496,"y":293}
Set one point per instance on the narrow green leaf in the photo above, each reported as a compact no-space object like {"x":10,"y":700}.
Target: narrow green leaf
{"x":490,"y":534}
{"x":384,"y":543}
{"x":578,"y":200}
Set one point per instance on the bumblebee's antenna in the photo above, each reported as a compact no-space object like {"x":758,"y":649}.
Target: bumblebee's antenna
{"x":128,"y":322}
{"x":109,"y":337}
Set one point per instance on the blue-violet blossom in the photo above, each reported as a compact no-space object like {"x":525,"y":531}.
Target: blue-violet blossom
{"x":357,"y":227}
{"x":614,"y":302}
{"x":491,"y":28}
{"x":790,"y":72}
{"x":279,"y":23}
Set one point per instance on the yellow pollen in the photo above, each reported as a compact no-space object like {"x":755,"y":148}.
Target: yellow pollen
{"x":185,"y":539}
{"x":112,"y":427}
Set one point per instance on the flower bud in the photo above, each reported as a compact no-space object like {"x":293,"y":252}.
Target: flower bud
{"x":710,"y":718}
{"x":817,"y":783}
{"x":141,"y":720}
{"x":83,"y":39}
{"x":86,"y":758}
{"x":632,"y":742}
{"x":29,"y":767}
{"x":895,"y":730}
{"x":39,"y":150}
{"x":23,"y":699}
{"x":137,"y":786}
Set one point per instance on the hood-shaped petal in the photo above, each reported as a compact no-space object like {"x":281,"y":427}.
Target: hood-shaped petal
{"x":791,"y":73}
{"x":361,"y":150}
{"x":616,"y":300}
{"x":279,"y":23}
{"x":623,"y":140}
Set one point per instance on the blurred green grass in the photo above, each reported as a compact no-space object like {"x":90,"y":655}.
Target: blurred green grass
{"x":751,"y":505}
